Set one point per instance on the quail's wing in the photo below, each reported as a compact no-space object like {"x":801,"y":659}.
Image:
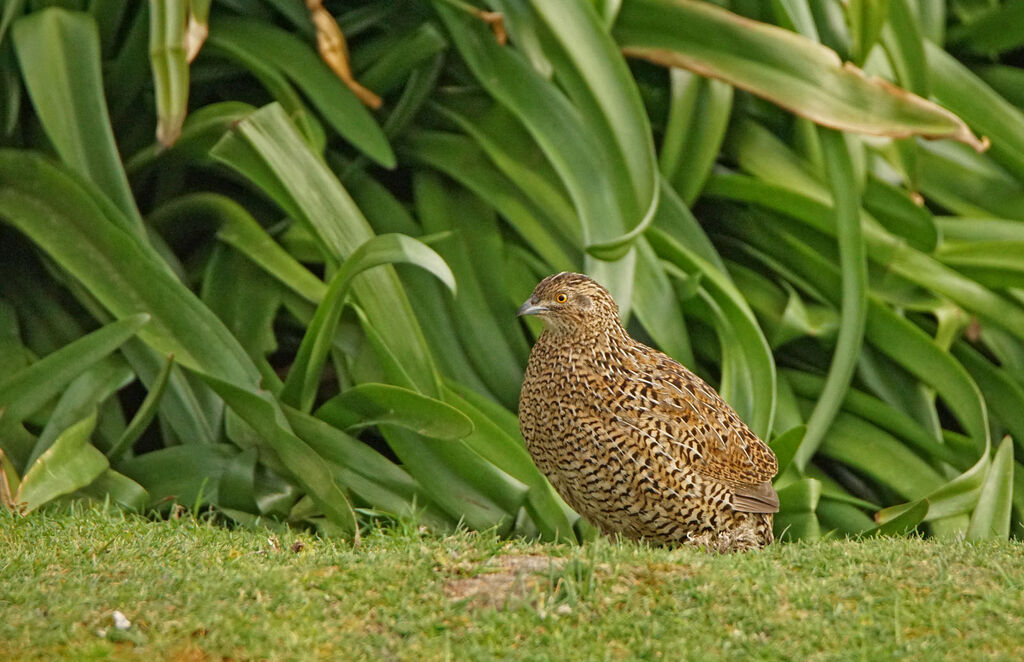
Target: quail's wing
{"x":705,"y":432}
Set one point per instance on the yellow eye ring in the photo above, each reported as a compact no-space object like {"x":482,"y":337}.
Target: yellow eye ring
{"x":561,"y":298}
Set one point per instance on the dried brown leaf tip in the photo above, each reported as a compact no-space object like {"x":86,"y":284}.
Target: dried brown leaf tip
{"x":8,"y":497}
{"x":973,"y":330}
{"x":497,"y":23}
{"x":195,"y":36}
{"x":330,"y":43}
{"x":494,"y":19}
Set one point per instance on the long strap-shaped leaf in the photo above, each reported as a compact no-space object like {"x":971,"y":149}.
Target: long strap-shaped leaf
{"x":301,"y":385}
{"x":588,"y":65}
{"x":854,"y":302}
{"x":790,"y":70}
{"x":169,"y":63}
{"x":59,"y":52}
{"x":28,"y":389}
{"x":62,"y":216}
{"x":267,"y":148}
{"x":339,"y":106}
{"x":565,"y":137}
{"x":72,"y":462}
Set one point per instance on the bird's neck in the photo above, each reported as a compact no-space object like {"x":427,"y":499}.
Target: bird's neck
{"x":589,"y":337}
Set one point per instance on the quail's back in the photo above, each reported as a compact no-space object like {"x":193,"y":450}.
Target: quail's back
{"x":631,"y":439}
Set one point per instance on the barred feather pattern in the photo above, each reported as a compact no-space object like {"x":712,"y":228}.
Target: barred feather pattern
{"x":632,"y":440}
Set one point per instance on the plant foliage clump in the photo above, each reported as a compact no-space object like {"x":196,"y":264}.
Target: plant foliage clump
{"x":266,"y":258}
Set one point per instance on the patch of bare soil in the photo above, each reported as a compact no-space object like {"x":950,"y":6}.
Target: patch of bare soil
{"x":502,"y":579}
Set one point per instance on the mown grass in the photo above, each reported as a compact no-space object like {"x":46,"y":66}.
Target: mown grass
{"x":197,"y":591}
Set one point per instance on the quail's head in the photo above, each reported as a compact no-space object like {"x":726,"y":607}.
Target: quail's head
{"x":569,"y":301}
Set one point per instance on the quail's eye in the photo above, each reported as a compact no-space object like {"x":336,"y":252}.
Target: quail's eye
{"x":561,"y":298}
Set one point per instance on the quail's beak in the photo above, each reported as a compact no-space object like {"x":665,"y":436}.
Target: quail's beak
{"x":530,"y":308}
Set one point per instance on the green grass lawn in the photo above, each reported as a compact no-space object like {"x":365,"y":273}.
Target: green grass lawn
{"x":196,"y":591}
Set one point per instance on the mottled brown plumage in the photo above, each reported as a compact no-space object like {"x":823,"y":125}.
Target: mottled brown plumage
{"x":631,"y":439}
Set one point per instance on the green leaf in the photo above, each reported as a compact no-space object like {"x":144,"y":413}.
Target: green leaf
{"x":589,"y":66}
{"x":267,"y":149}
{"x":69,"y":464}
{"x":794,"y":72}
{"x":9,"y":482}
{"x":1002,"y":393}
{"x":297,"y":60}
{"x":566,"y":138}
{"x":457,"y":157}
{"x":237,"y":486}
{"x":144,"y":414}
{"x":902,"y":524}
{"x":68,"y":220}
{"x":118,"y":488}
{"x":495,"y":347}
{"x":997,"y":28}
{"x":378,"y":477}
{"x":854,"y":298}
{"x":877,"y":412}
{"x":306,"y":467}
{"x":405,"y":54}
{"x":698,"y":117}
{"x":496,"y":437}
{"x":866,"y":448}
{"x":796,"y":519}
{"x":889,"y":251}
{"x":991,"y":517}
{"x":900,"y":215}
{"x":866,"y":18}
{"x":304,"y":377}
{"x":202,"y":129}
{"x":167,"y":19}
{"x":957,"y":88}
{"x":245,"y":298}
{"x":241,"y":231}
{"x":188,"y":475}
{"x":956,"y":497}
{"x":27,"y":390}
{"x":84,"y":395}
{"x":369,"y":404}
{"x":785,"y":446}
{"x":513,"y":151}
{"x":842,"y":517}
{"x":59,"y":52}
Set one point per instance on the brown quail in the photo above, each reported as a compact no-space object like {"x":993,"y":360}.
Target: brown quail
{"x":632,"y":440}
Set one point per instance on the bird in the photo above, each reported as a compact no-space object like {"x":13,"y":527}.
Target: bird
{"x":631,"y":439}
